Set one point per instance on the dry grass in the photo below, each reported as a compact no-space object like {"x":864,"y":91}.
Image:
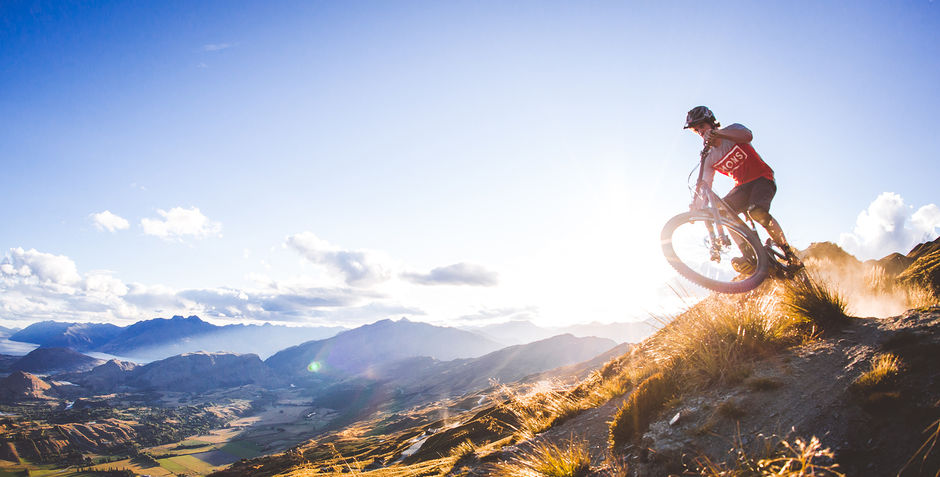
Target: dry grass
{"x":544,"y":405}
{"x":924,"y":272}
{"x":464,"y":450}
{"x":712,"y":341}
{"x":884,"y":368}
{"x":634,"y":417}
{"x":799,"y":459}
{"x":811,"y":300}
{"x":548,"y":460}
{"x":923,"y":454}
{"x":919,"y":296}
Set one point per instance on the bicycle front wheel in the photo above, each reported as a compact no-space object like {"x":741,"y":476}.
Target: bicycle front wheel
{"x":702,"y":250}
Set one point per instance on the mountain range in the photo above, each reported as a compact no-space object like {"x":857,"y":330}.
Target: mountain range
{"x":411,"y":357}
{"x":160,"y":338}
{"x":353,"y":351}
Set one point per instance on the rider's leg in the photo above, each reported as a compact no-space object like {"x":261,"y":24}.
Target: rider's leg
{"x":762,"y":216}
{"x":737,"y":199}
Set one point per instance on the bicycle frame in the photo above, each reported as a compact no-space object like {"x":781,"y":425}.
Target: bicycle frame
{"x":715,"y":207}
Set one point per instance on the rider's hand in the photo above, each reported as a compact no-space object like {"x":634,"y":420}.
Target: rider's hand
{"x":712,"y":137}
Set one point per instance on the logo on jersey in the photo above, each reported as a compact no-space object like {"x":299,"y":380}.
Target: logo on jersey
{"x":735,"y":157}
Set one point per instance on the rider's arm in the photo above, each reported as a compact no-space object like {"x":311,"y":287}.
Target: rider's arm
{"x":735,"y":133}
{"x":708,"y":176}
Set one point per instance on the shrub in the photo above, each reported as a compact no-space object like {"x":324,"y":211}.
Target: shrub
{"x":637,"y":412}
{"x":549,"y":460}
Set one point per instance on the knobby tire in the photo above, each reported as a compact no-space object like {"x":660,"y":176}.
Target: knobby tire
{"x":723,"y":286}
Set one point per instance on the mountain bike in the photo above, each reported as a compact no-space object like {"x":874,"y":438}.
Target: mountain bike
{"x":701,"y":245}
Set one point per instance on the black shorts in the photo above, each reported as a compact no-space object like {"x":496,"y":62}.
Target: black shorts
{"x":758,"y":192}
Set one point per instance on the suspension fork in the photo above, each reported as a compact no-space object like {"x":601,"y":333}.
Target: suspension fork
{"x":717,"y":236}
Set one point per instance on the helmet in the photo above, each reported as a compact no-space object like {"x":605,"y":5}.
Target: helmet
{"x":699,"y":114}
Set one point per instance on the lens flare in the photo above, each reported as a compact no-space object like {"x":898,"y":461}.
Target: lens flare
{"x":314,"y":366}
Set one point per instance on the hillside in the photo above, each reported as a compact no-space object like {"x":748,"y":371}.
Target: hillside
{"x":198,"y":372}
{"x":781,"y":374}
{"x":354,"y":351}
{"x":78,"y":336}
{"x":52,"y":360}
{"x":22,"y":386}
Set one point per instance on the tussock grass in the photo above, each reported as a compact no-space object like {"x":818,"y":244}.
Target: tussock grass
{"x":572,"y":459}
{"x":763,"y":384}
{"x":543,"y":406}
{"x":463,"y":450}
{"x":634,"y":417}
{"x":713,"y":340}
{"x":800,"y":459}
{"x":923,"y":453}
{"x":813,"y":301}
{"x":919,"y":296}
{"x":924,"y":272}
{"x":884,"y":368}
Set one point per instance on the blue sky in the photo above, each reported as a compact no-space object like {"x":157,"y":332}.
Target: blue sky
{"x":453,"y":162}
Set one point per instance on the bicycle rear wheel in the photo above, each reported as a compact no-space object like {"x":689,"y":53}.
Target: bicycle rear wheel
{"x":693,"y":252}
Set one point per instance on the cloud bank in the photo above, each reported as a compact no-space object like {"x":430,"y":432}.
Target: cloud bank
{"x":179,"y":223}
{"x":36,"y":286}
{"x":360,"y":268}
{"x":109,"y":221}
{"x":456,"y":274}
{"x":888,"y":225}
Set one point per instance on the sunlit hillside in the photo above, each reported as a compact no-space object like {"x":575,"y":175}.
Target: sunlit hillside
{"x":785,"y":380}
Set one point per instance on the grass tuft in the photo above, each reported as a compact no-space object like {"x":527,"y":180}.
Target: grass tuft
{"x":799,"y":459}
{"x":924,"y":272}
{"x":464,"y":450}
{"x":545,"y":405}
{"x":637,"y":412}
{"x":763,"y":384}
{"x":549,"y":460}
{"x":812,"y":301}
{"x":884,"y":368}
{"x":717,"y":340}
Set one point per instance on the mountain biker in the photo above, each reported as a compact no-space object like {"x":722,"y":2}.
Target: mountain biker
{"x":731,"y":154}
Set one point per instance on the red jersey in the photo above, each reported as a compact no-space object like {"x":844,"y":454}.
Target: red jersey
{"x":743,"y":164}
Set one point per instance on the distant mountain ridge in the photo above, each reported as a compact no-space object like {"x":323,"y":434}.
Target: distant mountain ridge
{"x":160,"y":338}
{"x":78,"y":336}
{"x":48,"y":360}
{"x":353,"y":351}
{"x":521,"y":332}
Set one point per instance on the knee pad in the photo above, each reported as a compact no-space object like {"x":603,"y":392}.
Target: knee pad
{"x":759,"y":214}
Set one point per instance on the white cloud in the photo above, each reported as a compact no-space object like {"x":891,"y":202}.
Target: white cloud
{"x":179,"y":223}
{"x":103,"y":284}
{"x":216,"y":46}
{"x":456,"y":274}
{"x":359,"y":268}
{"x":888,"y":226}
{"x":42,"y":268}
{"x":42,"y":286}
{"x":109,"y":221}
